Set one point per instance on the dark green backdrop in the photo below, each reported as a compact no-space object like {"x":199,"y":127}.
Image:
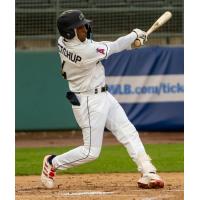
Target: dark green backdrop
{"x":40,"y":93}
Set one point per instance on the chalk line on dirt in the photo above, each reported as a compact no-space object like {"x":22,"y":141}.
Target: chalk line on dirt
{"x":85,"y":193}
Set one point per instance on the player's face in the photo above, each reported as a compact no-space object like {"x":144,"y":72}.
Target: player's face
{"x":81,"y":33}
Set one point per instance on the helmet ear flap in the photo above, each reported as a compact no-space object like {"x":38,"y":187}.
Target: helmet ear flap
{"x":69,"y":34}
{"x":89,"y":30}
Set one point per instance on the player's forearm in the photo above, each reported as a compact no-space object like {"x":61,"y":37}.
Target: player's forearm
{"x":122,"y":43}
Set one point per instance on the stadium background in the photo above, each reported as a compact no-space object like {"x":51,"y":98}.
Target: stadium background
{"x":40,"y":90}
{"x":44,"y":120}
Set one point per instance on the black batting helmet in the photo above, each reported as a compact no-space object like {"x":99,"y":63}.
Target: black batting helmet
{"x":69,"y":20}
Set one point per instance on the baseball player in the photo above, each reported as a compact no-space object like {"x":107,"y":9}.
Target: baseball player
{"x":93,"y":106}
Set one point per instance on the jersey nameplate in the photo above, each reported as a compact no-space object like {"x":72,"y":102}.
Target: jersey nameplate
{"x":71,"y":56}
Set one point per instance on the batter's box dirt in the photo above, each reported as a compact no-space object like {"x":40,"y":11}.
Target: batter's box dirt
{"x":118,"y":186}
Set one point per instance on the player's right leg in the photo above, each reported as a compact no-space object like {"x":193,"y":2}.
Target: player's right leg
{"x":91,"y":117}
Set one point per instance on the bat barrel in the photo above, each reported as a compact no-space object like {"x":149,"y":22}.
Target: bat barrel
{"x":160,"y":21}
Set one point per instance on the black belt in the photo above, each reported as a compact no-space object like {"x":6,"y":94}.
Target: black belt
{"x":103,"y":89}
{"x":71,"y":96}
{"x":95,"y":91}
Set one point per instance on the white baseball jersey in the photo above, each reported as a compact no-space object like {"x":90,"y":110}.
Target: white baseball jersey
{"x":82,"y":60}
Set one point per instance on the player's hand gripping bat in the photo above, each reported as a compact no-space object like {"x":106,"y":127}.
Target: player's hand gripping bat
{"x":159,"y":22}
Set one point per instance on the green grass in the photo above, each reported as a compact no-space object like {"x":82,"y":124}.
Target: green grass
{"x":166,"y":157}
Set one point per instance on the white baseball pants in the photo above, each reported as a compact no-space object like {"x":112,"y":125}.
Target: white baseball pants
{"x":96,"y":112}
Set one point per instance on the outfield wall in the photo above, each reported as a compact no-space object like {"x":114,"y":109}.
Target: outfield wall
{"x":148,"y":82}
{"x":40,"y":93}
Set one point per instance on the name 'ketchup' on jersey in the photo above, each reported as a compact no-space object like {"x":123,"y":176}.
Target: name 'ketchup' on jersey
{"x":82,"y":63}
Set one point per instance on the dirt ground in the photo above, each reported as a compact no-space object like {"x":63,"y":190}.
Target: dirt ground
{"x":99,"y":186}
{"x":116,"y":186}
{"x":74,"y":138}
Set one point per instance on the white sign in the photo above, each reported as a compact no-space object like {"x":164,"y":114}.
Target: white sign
{"x":141,"y":89}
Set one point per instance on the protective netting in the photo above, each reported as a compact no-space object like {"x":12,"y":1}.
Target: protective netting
{"x":36,"y":19}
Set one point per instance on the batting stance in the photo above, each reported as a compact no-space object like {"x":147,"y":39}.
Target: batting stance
{"x":93,"y":106}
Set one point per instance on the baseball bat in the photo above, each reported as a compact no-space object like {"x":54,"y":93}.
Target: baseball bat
{"x":158,"y":23}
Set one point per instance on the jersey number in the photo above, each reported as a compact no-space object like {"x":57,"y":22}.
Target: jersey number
{"x":64,"y":74}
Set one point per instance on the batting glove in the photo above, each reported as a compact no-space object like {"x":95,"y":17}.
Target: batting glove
{"x":140,"y":34}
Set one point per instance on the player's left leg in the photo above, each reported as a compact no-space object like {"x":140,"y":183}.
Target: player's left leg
{"x":91,"y":116}
{"x":126,"y":133}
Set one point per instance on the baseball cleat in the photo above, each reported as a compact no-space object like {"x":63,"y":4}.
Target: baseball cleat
{"x":150,"y":181}
{"x":48,"y":173}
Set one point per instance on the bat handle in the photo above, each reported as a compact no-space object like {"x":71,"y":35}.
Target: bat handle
{"x":149,"y":32}
{"x":138,"y":43}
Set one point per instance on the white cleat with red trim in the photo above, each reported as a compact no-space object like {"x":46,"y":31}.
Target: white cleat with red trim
{"x":150,"y":180}
{"x":48,"y":173}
